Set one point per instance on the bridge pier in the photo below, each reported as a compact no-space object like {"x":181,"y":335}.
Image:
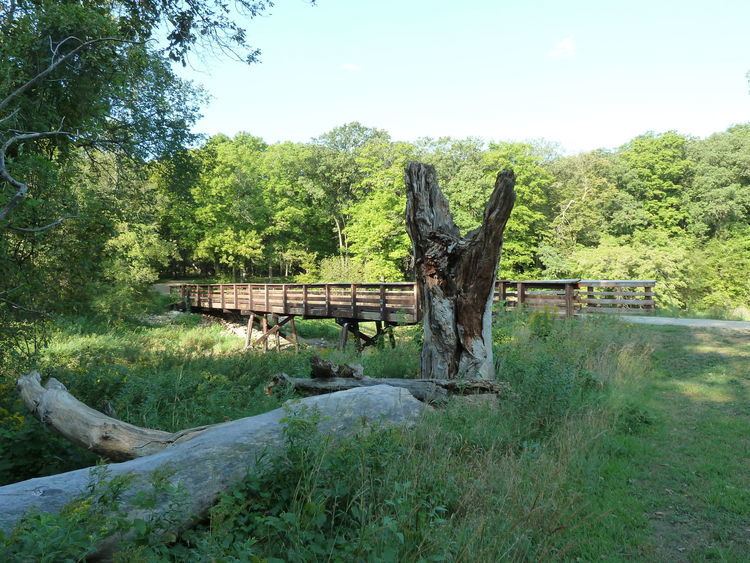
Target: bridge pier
{"x":363,"y":339}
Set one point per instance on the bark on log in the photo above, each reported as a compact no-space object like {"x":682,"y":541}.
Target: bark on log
{"x":214,"y":460}
{"x":432,"y":391}
{"x":323,"y":369}
{"x":114,"y":439}
{"x":455,"y":275}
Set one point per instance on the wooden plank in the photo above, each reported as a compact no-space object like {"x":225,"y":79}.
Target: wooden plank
{"x":354,"y":300}
{"x":569,"y":300}
{"x":619,"y":301}
{"x":249,"y":335}
{"x":619,"y":293}
{"x":382,"y":300}
{"x":618,"y":283}
{"x":616,"y":311}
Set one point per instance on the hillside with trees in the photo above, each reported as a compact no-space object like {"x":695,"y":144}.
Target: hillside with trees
{"x":663,"y":207}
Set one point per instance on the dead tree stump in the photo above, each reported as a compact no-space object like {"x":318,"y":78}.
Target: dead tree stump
{"x":455,"y":275}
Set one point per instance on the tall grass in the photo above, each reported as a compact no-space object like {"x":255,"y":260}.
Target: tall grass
{"x":476,"y":480}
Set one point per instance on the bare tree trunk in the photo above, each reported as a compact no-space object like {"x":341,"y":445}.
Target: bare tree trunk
{"x":55,"y":407}
{"x":455,"y":275}
{"x":213,"y":460}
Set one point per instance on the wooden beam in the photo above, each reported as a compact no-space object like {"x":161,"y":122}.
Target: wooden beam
{"x":294,"y":334}
{"x":344,"y":335}
{"x":249,"y":336}
{"x":273,"y":330}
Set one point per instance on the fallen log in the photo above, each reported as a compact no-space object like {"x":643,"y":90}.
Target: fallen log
{"x":214,"y":459}
{"x":114,"y":439}
{"x":432,"y":391}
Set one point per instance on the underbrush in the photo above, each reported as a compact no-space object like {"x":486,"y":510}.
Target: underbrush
{"x":475,"y":480}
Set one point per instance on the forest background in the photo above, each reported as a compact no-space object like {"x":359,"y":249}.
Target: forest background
{"x":122,"y":192}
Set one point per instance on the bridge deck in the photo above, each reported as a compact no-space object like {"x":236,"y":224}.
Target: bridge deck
{"x":399,"y":303}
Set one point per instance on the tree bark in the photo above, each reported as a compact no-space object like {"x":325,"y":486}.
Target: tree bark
{"x":114,"y":439}
{"x":431,"y":391}
{"x":455,"y":275}
{"x":213,"y":460}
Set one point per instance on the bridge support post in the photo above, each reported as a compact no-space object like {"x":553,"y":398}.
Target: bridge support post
{"x":249,"y":336}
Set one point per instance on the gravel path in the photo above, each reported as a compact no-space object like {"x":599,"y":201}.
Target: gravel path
{"x":694,"y":323}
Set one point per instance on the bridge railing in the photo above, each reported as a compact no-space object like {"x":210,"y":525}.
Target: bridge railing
{"x":399,"y":302}
{"x":573,"y":296}
{"x":391,"y":302}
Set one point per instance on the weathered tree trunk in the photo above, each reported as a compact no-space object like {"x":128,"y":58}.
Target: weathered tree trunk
{"x":212,"y":460}
{"x":55,"y":407}
{"x":432,"y":391}
{"x":455,"y":275}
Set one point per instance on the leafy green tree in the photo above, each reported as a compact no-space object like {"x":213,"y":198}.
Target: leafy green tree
{"x":719,"y":272}
{"x":469,"y":187}
{"x":376,"y":229}
{"x":229,"y":203}
{"x":719,"y":195}
{"x":338,"y":173}
{"x":654,"y":171}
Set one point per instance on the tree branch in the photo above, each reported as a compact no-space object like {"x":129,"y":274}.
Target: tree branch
{"x":56,"y":62}
{"x":42,"y":228}
{"x":22,"y":188}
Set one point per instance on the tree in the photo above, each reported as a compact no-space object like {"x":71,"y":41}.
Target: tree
{"x":229,"y":203}
{"x":376,"y":229}
{"x":718,"y":197}
{"x":455,"y":275}
{"x":338,"y":172}
{"x":654,"y":170}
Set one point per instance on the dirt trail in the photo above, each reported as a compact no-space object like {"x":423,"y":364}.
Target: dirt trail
{"x":693,"y":323}
{"x":696,"y":483}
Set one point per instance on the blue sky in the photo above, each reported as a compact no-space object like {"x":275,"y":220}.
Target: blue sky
{"x":584,"y":74}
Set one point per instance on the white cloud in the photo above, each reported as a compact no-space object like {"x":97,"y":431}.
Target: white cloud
{"x":351,"y":67}
{"x":564,"y":49}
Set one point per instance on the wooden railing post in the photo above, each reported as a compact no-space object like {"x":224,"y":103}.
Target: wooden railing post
{"x":383,"y":315}
{"x":417,"y":302}
{"x":250,"y":296}
{"x":520,"y":294}
{"x":354,"y":300}
{"x":221,"y":288}
{"x":304,"y":300}
{"x":265,"y":288}
{"x":569,"y":306}
{"x":234,"y":292}
{"x":328,"y":300}
{"x":649,"y":291}
{"x":210,"y":296}
{"x":283,"y":298}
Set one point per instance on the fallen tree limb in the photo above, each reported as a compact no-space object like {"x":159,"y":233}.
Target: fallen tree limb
{"x":321,"y":369}
{"x":433,"y":391}
{"x":114,"y":439}
{"x":215,"y":459}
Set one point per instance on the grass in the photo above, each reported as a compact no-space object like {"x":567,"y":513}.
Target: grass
{"x":617,"y":442}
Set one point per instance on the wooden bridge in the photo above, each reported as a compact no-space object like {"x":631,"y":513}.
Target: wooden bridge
{"x":391,"y":304}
